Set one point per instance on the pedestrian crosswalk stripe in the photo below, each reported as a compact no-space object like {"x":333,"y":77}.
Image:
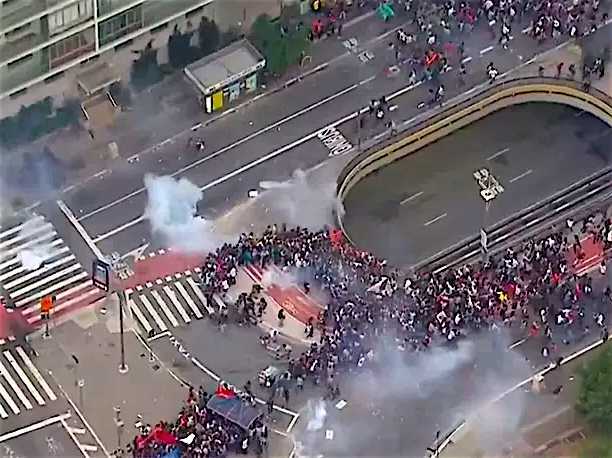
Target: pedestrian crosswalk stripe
{"x":24,"y":378}
{"x":69,"y":292}
{"x":164,"y":307}
{"x":177,"y":305}
{"x":45,"y":280}
{"x":7,"y":398}
{"x":47,"y":228}
{"x":145,"y":301}
{"x":19,"y":270}
{"x":3,"y":413}
{"x":36,"y":273}
{"x":55,"y":287}
{"x":34,"y":242}
{"x":12,"y":230}
{"x":139,"y":316}
{"x":34,"y":371}
{"x":18,"y":391}
{"x":192,"y":305}
{"x":198,"y":293}
{"x":16,"y":260}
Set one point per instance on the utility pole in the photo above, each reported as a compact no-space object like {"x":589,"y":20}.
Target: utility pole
{"x":123,"y":368}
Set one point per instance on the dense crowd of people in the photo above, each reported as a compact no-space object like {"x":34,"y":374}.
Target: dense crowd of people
{"x":530,"y":288}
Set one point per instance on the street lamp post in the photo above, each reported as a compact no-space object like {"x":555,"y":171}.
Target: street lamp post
{"x":123,"y":368}
{"x":489,"y":190}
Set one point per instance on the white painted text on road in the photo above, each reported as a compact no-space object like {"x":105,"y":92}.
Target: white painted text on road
{"x":334,"y":141}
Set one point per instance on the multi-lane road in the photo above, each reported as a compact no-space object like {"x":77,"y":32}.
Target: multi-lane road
{"x":268,"y":140}
{"x":430,"y":200}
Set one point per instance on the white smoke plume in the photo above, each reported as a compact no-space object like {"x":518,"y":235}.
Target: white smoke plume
{"x":301,"y":201}
{"x":38,"y":253}
{"x":172,"y":211}
{"x":399,"y":400}
{"x":282,"y":278}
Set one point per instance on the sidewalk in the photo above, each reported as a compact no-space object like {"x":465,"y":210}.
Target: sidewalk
{"x":147,"y":389}
{"x":170,"y":108}
{"x":292,"y":329}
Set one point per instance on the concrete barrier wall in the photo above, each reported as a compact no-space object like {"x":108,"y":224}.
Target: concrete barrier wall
{"x":491,"y":99}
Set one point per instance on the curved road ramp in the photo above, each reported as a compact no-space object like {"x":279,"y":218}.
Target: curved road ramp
{"x":477,"y":106}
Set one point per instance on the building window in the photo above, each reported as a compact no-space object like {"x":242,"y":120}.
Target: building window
{"x":69,"y":48}
{"x":69,"y":16}
{"x":120,"y":25}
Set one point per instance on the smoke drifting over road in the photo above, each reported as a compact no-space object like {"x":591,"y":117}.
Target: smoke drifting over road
{"x":172,"y":208}
{"x":39,"y":251}
{"x":301,"y":201}
{"x":397,"y":397}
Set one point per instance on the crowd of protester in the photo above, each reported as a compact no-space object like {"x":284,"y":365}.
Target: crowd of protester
{"x":530,"y":288}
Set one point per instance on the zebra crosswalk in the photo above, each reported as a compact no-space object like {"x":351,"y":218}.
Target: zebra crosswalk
{"x":167,"y":303}
{"x":22,"y":386}
{"x":34,"y":263}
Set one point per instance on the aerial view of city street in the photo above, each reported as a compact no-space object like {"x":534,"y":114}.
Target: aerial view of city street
{"x":305,"y":228}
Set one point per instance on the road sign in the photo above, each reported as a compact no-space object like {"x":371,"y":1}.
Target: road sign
{"x":100,"y":274}
{"x":484,"y":240}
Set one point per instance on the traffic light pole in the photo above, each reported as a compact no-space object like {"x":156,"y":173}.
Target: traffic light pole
{"x":123,"y":368}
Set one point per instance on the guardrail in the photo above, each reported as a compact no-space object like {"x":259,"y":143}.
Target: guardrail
{"x":467,"y":111}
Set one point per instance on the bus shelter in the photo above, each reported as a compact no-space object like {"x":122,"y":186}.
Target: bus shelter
{"x":227,"y":75}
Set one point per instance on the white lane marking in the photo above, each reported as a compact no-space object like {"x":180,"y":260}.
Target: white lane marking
{"x":39,"y":378}
{"x":36,"y":219}
{"x":24,"y":378}
{"x":367,"y":80}
{"x":467,"y":59}
{"x":18,"y":391}
{"x":412,"y":197}
{"x":3,"y":413}
{"x":177,"y":305}
{"x":499,"y":153}
{"x":74,"y":439}
{"x":139,"y":315}
{"x":80,"y":229}
{"x":486,"y":50}
{"x":187,"y":298}
{"x":522,"y":175}
{"x":52,"y":288}
{"x":160,"y":324}
{"x":38,"y":272}
{"x":7,"y":398}
{"x":437,"y":218}
{"x":228,"y":147}
{"x":517,"y":343}
{"x":198,"y":292}
{"x":165,"y":308}
{"x":33,"y":427}
{"x":6,"y":264}
{"x":45,"y":280}
{"x":21,"y":269}
{"x":38,"y":240}
{"x":47,"y":227}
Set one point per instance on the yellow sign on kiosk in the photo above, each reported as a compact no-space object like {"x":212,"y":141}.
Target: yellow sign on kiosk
{"x":217,"y":100}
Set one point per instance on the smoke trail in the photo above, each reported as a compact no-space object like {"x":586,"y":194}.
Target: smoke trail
{"x":172,"y":211}
{"x":38,"y":253}
{"x":303,"y":202}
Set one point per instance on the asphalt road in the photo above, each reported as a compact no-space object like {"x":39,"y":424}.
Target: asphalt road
{"x":268,"y":140}
{"x":51,"y":441}
{"x":428,"y":201}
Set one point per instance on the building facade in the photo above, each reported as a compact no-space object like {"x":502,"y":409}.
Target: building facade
{"x":44,"y":44}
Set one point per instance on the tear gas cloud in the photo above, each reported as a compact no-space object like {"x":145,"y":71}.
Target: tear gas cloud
{"x":172,"y":212}
{"x":398,"y":397}
{"x":301,"y":201}
{"x":37,"y":253}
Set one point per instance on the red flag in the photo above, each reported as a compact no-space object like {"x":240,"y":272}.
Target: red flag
{"x":225,"y":392}
{"x":162,"y":436}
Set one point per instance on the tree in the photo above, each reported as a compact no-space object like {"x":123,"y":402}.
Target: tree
{"x":595,"y":394}
{"x":145,"y":70}
{"x":180,"y":52}
{"x":597,"y":447}
{"x":209,"y":36}
{"x":282,"y":45}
